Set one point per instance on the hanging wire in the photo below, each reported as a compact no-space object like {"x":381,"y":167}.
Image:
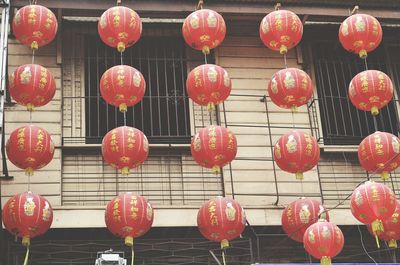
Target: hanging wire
{"x":133,"y":255}
{"x":124,"y":118}
{"x":205,"y":58}
{"x":223,"y":257}
{"x":33,"y":56}
{"x":285,"y":60}
{"x":200,"y":4}
{"x":363,"y":246}
{"x":122,"y":62}
{"x":26,"y":256}
{"x":119,"y":2}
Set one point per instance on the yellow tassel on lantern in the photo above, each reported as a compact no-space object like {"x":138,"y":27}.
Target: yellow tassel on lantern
{"x":210,"y":107}
{"x":26,"y":241}
{"x":385,"y":176}
{"x":30,"y":107}
{"x":206,"y":50}
{"x":29,"y":171}
{"x":294,"y":109}
{"x":216,"y":170}
{"x":392,"y":243}
{"x":374,"y":111}
{"x":125,"y":171}
{"x":326,"y":260}
{"x":363,"y":54}
{"x":34,"y":45}
{"x":283,"y":49}
{"x":123,"y":107}
{"x":377,"y":227}
{"x":299,"y":176}
{"x":121,"y":46}
{"x":224,"y":244}
{"x":129,"y":241}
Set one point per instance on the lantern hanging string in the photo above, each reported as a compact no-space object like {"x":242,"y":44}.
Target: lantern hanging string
{"x":119,"y":2}
{"x":33,"y":56}
{"x":26,"y":256}
{"x":363,"y":246}
{"x":122,"y":62}
{"x":133,"y":255}
{"x":205,"y":58}
{"x":279,"y":243}
{"x":223,"y":257}
{"x":285,"y":60}
{"x":124,"y":118}
{"x":200,"y":4}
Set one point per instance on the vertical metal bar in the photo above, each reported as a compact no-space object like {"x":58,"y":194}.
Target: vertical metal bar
{"x":340,"y":97}
{"x":150,"y":93}
{"x":88,"y":88}
{"x":107,"y":106}
{"x":175,"y":99}
{"x":166,"y":90}
{"x":357,"y":112}
{"x":271,"y":148}
{"x":158,"y":94}
{"x":141,"y":102}
{"x":184,"y":96}
{"x":133,"y":108}
{"x":326,"y":125}
{"x":98,"y":92}
{"x":331,"y":97}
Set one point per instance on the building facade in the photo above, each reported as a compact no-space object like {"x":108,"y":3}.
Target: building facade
{"x":78,"y":183}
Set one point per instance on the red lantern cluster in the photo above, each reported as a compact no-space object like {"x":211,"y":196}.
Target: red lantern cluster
{"x":32,"y":85}
{"x":122,"y":86}
{"x":371,"y":90}
{"x":299,"y":215}
{"x":323,"y":240}
{"x":360,"y":34}
{"x":120,"y":27}
{"x":204,"y":30}
{"x":208,"y":84}
{"x":380,"y":153}
{"x":290,"y":88}
{"x":281,"y":30}
{"x":296,"y":152}
{"x":34,"y":26}
{"x":213,"y":147}
{"x":221,"y":219}
{"x":27,"y":215}
{"x":30,"y":148}
{"x":372,"y":203}
{"x":129,"y":216}
{"x":125,"y":148}
{"x":391,"y":227}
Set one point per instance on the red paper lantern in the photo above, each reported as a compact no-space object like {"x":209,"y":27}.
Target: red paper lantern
{"x":391,"y":228}
{"x":27,"y":215}
{"x":379,"y":153}
{"x":213,"y":147}
{"x":281,"y":30}
{"x":34,"y":26}
{"x":204,"y":30}
{"x":30,"y":148}
{"x":120,"y":27}
{"x":372,"y":203}
{"x":371,"y":90}
{"x":208,"y":84}
{"x":360,"y":34}
{"x":323,"y":240}
{"x":221,"y":220}
{"x":129,"y":216}
{"x":299,"y":215}
{"x":296,"y":152}
{"x":122,"y":86}
{"x":125,"y":148}
{"x":32,"y":85}
{"x":290,"y":88}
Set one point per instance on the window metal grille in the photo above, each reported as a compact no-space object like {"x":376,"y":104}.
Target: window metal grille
{"x":342,"y":123}
{"x":163,"y":114}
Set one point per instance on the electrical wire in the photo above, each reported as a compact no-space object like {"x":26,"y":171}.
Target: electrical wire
{"x":363,"y":246}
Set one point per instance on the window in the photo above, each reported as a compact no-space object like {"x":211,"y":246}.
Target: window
{"x":341,"y":122}
{"x":163,"y":114}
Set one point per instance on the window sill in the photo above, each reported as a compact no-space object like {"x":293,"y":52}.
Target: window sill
{"x":95,"y":146}
{"x":339,"y":148}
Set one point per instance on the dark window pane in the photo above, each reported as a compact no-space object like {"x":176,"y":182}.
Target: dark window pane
{"x":342,"y":123}
{"x":163,"y":113}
